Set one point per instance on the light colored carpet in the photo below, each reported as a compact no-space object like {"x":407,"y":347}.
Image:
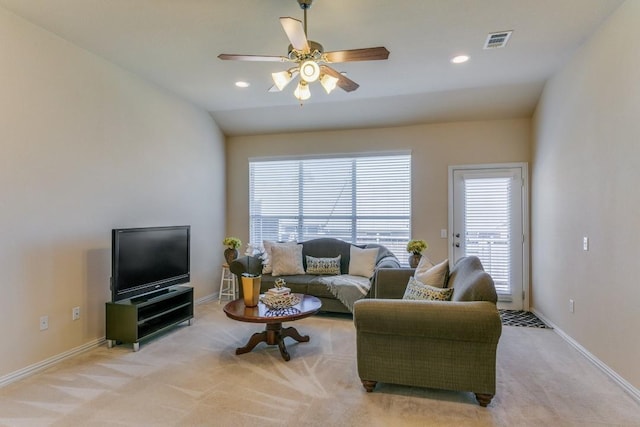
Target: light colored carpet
{"x":192,"y":377}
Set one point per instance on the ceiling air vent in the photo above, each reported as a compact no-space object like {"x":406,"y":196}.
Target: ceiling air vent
{"x":496,"y":40}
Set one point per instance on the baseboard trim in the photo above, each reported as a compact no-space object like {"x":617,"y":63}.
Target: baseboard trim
{"x":54,"y":360}
{"x":47,"y":363}
{"x":626,"y":386}
{"x":206,"y":299}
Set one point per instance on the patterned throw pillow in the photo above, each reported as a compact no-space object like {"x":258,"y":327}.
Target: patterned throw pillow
{"x":419,"y":291}
{"x":323,"y":265}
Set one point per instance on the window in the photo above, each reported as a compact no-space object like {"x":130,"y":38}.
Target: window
{"x":359,"y":199}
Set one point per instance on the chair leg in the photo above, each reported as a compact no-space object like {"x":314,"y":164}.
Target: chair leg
{"x":369,"y":385}
{"x":484,"y":399}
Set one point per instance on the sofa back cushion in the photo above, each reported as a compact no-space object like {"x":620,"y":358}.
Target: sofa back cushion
{"x":327,"y":247}
{"x":470,"y":282}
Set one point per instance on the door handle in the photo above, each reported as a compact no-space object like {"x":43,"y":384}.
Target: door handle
{"x":457,"y":245}
{"x":458,"y":235}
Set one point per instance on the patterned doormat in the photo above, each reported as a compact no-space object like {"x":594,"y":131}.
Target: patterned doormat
{"x":521,"y":318}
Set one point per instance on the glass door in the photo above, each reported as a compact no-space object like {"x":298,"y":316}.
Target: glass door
{"x":487,"y":219}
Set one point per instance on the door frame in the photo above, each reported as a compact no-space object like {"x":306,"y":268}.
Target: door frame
{"x":525,"y":217}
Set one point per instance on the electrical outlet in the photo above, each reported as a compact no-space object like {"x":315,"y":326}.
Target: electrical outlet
{"x":571,"y":306}
{"x":44,"y":323}
{"x":75,"y":313}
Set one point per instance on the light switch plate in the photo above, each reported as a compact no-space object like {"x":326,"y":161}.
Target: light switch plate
{"x":443,"y":233}
{"x":585,"y":243}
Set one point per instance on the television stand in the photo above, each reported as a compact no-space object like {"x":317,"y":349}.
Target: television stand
{"x":131,"y":320}
{"x":150,"y":296}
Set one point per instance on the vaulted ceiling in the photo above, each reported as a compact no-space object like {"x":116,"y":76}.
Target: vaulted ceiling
{"x":175,"y":43}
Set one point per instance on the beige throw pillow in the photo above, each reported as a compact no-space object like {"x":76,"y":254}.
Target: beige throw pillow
{"x":362,"y":262}
{"x":423,"y":266}
{"x":266,"y":256}
{"x":286,"y":260}
{"x":434,"y":276}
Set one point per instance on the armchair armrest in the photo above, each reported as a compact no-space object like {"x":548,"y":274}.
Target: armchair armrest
{"x":246,"y":264}
{"x":388,"y":262}
{"x":437,"y":320}
{"x":391,"y":282}
{"x":383,"y":264}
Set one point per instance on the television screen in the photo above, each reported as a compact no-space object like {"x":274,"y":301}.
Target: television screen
{"x":149,"y":259}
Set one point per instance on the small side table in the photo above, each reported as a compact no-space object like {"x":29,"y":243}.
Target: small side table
{"x":228,"y":284}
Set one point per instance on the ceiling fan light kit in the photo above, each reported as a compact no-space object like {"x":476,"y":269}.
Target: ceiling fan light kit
{"x":311,"y":60}
{"x":302,"y":92}
{"x":328,"y":83}
{"x":281,"y":79}
{"x":309,"y":71}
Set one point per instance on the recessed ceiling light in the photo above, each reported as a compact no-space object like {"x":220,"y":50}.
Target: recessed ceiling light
{"x":242,"y":84}
{"x":459,"y":59}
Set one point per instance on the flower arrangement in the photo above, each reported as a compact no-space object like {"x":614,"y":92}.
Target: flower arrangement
{"x":417,"y":246}
{"x":232,"y":242}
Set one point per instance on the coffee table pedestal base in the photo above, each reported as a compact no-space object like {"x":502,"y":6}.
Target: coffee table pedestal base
{"x":274,"y":334}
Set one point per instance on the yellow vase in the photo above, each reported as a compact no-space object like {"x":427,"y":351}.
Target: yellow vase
{"x":251,"y":290}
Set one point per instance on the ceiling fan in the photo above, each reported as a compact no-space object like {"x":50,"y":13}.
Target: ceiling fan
{"x":311,"y":60}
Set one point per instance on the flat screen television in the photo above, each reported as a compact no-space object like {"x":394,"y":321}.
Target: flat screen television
{"x":148,"y":260}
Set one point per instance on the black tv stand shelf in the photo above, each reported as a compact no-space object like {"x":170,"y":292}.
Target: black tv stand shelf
{"x":131,"y":320}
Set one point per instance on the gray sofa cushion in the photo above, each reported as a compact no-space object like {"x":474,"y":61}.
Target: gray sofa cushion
{"x":319,"y":289}
{"x":327,"y":248}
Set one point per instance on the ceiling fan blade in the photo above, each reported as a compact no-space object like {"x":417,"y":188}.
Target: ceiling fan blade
{"x":295,"y":33}
{"x":263,"y":58}
{"x":344,"y":82}
{"x":366,"y":54}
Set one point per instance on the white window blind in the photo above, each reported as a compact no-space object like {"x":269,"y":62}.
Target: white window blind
{"x":361,"y":199}
{"x":488,"y":227}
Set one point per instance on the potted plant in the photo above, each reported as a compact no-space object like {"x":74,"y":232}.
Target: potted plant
{"x":415,"y":248}
{"x":232,"y":244}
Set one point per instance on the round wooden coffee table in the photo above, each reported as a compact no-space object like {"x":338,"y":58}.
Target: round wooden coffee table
{"x":274,"y":333}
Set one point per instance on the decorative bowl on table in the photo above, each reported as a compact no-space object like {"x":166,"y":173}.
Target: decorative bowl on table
{"x":278,"y":312}
{"x":280,"y":301}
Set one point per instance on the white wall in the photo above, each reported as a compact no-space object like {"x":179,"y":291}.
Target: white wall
{"x":433,"y":147}
{"x":586,"y":172}
{"x":86,"y":147}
